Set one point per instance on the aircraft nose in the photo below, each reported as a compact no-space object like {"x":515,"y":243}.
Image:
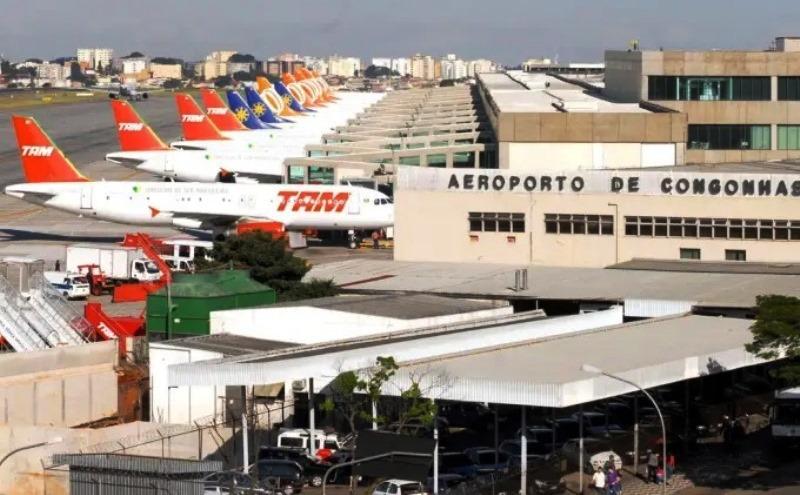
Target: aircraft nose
{"x":13,"y":191}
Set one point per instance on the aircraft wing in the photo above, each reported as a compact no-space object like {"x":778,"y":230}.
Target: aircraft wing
{"x":204,"y":221}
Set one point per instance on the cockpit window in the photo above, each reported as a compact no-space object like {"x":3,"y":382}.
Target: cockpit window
{"x":377,"y":201}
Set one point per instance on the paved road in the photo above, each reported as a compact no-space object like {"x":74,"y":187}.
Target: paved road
{"x":84,"y":131}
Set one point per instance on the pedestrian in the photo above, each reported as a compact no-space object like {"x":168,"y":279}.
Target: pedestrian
{"x":610,"y":463}
{"x":375,"y":238}
{"x":652,"y":465}
{"x":659,"y":475}
{"x":670,"y":466}
{"x":599,"y":481}
{"x":58,"y":265}
{"x":613,"y":482}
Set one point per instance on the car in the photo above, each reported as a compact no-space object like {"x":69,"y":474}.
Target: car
{"x":457,"y":463}
{"x":226,"y":482}
{"x":596,"y":453}
{"x":399,"y":487}
{"x":313,"y":469}
{"x":539,"y":434}
{"x":597,"y":424}
{"x":536,"y":450}
{"x":487,"y":460}
{"x":278,"y":474}
{"x":446,"y":482}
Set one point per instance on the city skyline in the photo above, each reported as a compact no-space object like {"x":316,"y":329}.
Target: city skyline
{"x":509,"y":31}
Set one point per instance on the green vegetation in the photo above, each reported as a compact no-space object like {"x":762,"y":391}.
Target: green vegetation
{"x":776,"y":333}
{"x":14,"y":100}
{"x":269,"y":262}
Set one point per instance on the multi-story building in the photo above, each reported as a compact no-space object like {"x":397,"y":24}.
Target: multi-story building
{"x":54,"y":74}
{"x":480,"y":66}
{"x":741,"y":106}
{"x":234,"y":67}
{"x":453,"y":68}
{"x":166,"y":71}
{"x":94,"y":58}
{"x":134,"y":65}
{"x":216,"y":64}
{"x":320,"y":65}
{"x":401,"y":65}
{"x":423,"y":67}
{"x":284,"y":63}
{"x":344,"y":66}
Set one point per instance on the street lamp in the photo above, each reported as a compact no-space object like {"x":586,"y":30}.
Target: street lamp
{"x":32,"y":446}
{"x":588,"y":368}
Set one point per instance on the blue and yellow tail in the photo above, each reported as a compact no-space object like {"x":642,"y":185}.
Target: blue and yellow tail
{"x":243,"y":112}
{"x":260,"y":107}
{"x":290,"y":100}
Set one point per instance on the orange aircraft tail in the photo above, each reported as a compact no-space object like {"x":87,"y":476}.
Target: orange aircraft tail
{"x":42,"y":161}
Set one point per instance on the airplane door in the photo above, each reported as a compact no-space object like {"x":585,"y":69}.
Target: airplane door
{"x":86,"y":198}
{"x":354,"y":203}
{"x":168,"y":165}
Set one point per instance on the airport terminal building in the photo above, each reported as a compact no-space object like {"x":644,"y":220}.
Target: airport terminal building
{"x":595,"y":218}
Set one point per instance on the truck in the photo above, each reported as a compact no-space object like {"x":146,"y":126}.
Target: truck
{"x":68,"y":284}
{"x":785,"y":417}
{"x":116,"y":263}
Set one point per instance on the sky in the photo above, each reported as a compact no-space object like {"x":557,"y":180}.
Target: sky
{"x":508,"y":31}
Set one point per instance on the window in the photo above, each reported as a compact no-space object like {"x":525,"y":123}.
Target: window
{"x":729,"y":137}
{"x":690,"y":254}
{"x":320,"y":175}
{"x":409,"y":160}
{"x":568,"y":223}
{"x":437,"y":160}
{"x":496,"y":222}
{"x":713,"y":228}
{"x":716,"y":88}
{"x":735,"y":255}
{"x":789,"y":137}
{"x":789,"y":88}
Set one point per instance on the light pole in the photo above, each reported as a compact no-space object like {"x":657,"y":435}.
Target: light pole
{"x":31,"y":446}
{"x":597,"y":371}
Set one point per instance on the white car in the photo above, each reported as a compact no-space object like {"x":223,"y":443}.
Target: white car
{"x":595,"y":453}
{"x":399,"y":487}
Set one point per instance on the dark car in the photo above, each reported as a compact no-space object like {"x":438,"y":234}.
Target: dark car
{"x":313,"y":469}
{"x":457,"y":463}
{"x":280,"y":475}
{"x":225,"y":482}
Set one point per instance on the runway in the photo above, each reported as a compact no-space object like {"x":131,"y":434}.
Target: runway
{"x":85,"y":132}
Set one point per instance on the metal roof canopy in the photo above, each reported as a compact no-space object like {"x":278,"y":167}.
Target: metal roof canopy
{"x":546,"y":372}
{"x":731,"y":290}
{"x":323,"y":362}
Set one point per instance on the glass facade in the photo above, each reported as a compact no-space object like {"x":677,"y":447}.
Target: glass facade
{"x":789,"y":137}
{"x":691,"y":88}
{"x":729,"y":137}
{"x":789,"y":88}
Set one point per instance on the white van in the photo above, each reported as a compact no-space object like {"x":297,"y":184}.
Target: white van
{"x":69,"y":285}
{"x":297,"y":438}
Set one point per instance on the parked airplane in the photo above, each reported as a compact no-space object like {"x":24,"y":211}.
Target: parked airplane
{"x":53,"y":182}
{"x":143,"y":150}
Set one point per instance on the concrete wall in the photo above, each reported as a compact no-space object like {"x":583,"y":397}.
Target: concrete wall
{"x":24,"y":474}
{"x":587,"y":156}
{"x":308,"y":325}
{"x":623,"y":76}
{"x":65,"y":386}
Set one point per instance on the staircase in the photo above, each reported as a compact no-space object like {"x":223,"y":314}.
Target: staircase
{"x":71,"y":327}
{"x":13,"y":326}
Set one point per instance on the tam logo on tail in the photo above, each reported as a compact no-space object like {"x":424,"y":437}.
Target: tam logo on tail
{"x":37,"y":150}
{"x":216,"y":111}
{"x":131,"y":126}
{"x":192,"y":118}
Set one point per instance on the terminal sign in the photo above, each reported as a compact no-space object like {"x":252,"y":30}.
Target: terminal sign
{"x":680,"y":184}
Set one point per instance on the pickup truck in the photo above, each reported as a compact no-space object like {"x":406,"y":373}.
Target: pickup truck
{"x":69,"y":285}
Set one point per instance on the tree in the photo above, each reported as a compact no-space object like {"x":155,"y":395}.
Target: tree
{"x":75,"y":72}
{"x":241,"y":58}
{"x":776,"y":333}
{"x":166,"y":61}
{"x":222,"y":81}
{"x":243,"y":76}
{"x":99,"y":68}
{"x":134,"y":55}
{"x":376,"y":71}
{"x":172,"y":83}
{"x":269,"y":262}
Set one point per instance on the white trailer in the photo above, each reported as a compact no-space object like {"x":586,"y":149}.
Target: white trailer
{"x":785,"y":416}
{"x":115,"y":261}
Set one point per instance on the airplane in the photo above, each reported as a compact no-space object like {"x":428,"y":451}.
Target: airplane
{"x":53,"y":181}
{"x":143,"y":150}
{"x":128,"y":92}
{"x":275,"y":101}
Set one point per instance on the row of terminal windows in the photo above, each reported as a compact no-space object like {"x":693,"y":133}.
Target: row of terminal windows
{"x":693,"y":88}
{"x":496,"y":222}
{"x":730,"y":254}
{"x":569,"y":223}
{"x":729,"y":137}
{"x":713,"y":228}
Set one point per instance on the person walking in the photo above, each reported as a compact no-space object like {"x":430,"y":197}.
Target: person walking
{"x":670,"y":466}
{"x":58,"y":265}
{"x":652,"y":465}
{"x":599,"y":481}
{"x":613,"y":482}
{"x":376,"y":236}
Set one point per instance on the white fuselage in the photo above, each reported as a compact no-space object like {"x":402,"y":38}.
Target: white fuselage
{"x":207,"y":206}
{"x":203,"y":166}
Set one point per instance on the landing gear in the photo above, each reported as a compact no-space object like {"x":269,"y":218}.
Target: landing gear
{"x":353,"y":241}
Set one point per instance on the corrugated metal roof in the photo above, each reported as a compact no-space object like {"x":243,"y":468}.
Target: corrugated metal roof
{"x":228,"y":344}
{"x":401,"y":306}
{"x":136,"y":463}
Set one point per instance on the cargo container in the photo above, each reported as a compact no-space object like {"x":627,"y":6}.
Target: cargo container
{"x":116,"y":262}
{"x":194,"y":296}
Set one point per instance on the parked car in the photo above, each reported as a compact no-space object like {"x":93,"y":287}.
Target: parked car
{"x":280,"y":475}
{"x":595,"y":454}
{"x":486,"y":460}
{"x":596,"y":424}
{"x":538,"y":434}
{"x":536,"y":450}
{"x":313,"y":469}
{"x":225,"y":482}
{"x":446,"y":482}
{"x":457,"y":463}
{"x":399,"y":487}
